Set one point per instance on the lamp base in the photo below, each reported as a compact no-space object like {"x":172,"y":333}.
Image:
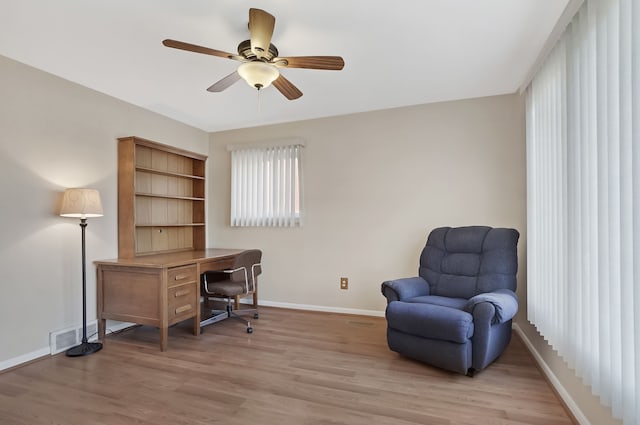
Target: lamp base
{"x":84,"y":349}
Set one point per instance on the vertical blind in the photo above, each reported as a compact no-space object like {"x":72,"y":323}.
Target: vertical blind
{"x":266,"y":186}
{"x":583,"y":201}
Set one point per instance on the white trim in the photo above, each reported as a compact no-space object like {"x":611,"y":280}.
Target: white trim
{"x":553,"y":379}
{"x":322,"y":308}
{"x":24,"y":358}
{"x":42,"y":352}
{"x":565,"y":19}
{"x":114,"y":326}
{"x":287,"y":141}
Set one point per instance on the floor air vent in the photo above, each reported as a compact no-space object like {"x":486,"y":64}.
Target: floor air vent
{"x":64,"y":339}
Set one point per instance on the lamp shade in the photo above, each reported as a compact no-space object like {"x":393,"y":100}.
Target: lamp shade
{"x":258,"y":74}
{"x":82,"y":203}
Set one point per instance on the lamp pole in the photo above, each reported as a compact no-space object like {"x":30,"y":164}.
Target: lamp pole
{"x":85,"y":347}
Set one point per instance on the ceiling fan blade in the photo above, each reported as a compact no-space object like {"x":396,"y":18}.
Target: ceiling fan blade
{"x":224,"y":83}
{"x":261,"y":26}
{"x":200,"y":49}
{"x":335,"y":63}
{"x":285,"y":87}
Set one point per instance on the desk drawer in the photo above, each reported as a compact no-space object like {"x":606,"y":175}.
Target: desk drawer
{"x":182,"y":301}
{"x":181,"y":275}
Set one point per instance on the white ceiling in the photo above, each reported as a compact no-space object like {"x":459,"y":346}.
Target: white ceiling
{"x":399,"y":53}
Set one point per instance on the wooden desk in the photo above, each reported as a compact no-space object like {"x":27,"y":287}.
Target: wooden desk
{"x":157,"y":290}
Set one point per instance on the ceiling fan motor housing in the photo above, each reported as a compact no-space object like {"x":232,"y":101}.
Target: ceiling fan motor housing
{"x":244,"y":50}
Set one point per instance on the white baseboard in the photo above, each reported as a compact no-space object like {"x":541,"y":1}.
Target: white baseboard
{"x":114,"y":326}
{"x":562,"y":391}
{"x":42,"y":352}
{"x":16,"y":361}
{"x":322,"y":308}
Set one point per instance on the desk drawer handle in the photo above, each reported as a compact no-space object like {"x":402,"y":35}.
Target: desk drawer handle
{"x":182,"y":293}
{"x":183,"y":308}
{"x":181,"y":276}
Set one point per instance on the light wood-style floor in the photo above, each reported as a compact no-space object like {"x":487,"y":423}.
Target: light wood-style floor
{"x":302,"y":368}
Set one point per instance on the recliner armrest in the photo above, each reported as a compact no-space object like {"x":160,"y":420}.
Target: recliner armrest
{"x":402,"y":289}
{"x":504,"y":301}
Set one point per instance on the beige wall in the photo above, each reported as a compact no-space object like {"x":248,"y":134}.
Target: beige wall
{"x":54,"y":135}
{"x":374,"y":185}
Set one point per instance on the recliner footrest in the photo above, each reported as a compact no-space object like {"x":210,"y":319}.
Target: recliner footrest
{"x":430,"y":321}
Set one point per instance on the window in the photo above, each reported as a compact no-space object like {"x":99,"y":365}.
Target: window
{"x":583,"y":201}
{"x":266,"y":186}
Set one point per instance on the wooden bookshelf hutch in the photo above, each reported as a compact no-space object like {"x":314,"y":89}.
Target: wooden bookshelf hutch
{"x":161,"y":240}
{"x":161,"y":198}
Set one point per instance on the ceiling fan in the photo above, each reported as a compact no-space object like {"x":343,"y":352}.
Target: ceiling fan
{"x":260,"y":61}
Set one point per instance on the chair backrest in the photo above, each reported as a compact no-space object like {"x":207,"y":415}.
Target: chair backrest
{"x":247,"y":259}
{"x":462,"y":262}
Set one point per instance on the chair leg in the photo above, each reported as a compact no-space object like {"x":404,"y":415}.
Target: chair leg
{"x":230,"y":312}
{"x":234,"y":315}
{"x":254,"y":305}
{"x":217,"y":315}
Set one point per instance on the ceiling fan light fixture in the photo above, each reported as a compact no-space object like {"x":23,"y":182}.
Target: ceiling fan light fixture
{"x":258,"y":74}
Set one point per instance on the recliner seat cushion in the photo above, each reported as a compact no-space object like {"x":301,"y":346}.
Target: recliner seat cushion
{"x":430,"y":321}
{"x":459,"y":303}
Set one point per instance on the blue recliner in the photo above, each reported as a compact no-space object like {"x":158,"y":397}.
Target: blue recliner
{"x":456,"y":314}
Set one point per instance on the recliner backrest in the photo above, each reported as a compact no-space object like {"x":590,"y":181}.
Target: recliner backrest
{"x":462,"y":262}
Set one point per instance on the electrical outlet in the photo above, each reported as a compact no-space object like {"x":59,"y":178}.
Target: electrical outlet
{"x":344,"y":283}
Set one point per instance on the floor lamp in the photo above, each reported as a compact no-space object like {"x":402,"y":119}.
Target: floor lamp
{"x":82,"y":204}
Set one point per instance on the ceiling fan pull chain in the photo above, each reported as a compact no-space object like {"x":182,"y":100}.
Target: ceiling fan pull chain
{"x":259,"y":105}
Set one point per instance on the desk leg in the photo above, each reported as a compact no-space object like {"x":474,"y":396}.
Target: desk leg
{"x":102,"y":323}
{"x":102,"y":328}
{"x":164,"y":338}
{"x":197,"y":318}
